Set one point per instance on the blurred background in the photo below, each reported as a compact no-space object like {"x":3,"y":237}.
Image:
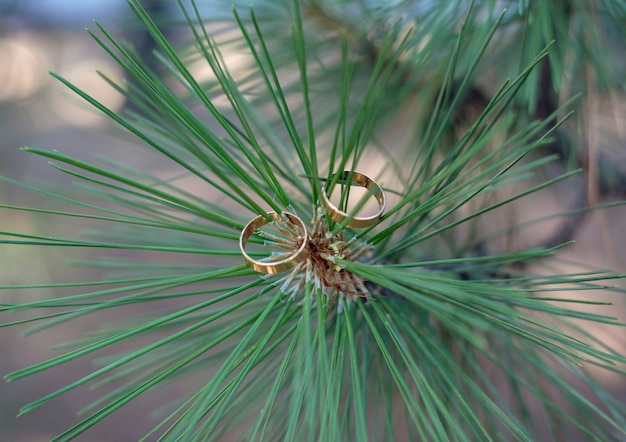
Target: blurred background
{"x":37,"y":111}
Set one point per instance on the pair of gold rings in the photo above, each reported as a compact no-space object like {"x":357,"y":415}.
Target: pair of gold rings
{"x":297,"y":229}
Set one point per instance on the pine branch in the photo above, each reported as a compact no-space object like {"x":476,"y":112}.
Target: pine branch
{"x":378,"y":331}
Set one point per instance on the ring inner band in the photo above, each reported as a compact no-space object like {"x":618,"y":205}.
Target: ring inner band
{"x":363,"y":181}
{"x":273,"y":267}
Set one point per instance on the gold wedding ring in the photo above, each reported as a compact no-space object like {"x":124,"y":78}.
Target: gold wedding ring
{"x":273,"y":267}
{"x":363,"y":181}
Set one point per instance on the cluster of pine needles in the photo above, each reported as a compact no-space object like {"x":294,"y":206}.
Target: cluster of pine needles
{"x":450,"y":340}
